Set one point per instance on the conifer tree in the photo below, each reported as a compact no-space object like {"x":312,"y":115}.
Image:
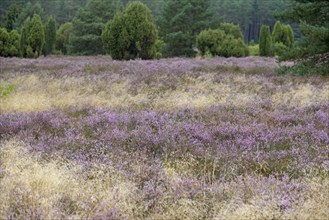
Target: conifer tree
{"x":131,"y":34}
{"x":181,"y":22}
{"x":265,"y":41}
{"x":50,"y":36}
{"x":88,"y":24}
{"x":33,"y":37}
{"x":63,"y":37}
{"x":277,"y":34}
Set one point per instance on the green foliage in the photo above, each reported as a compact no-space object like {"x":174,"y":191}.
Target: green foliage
{"x":226,"y":41}
{"x":253,"y":49}
{"x":29,"y":10}
{"x":11,"y":16}
{"x":232,"y":47}
{"x":6,"y":90}
{"x":63,"y":37}
{"x":50,"y":36}
{"x":280,"y":48}
{"x":283,"y":34}
{"x":87,"y":26}
{"x":209,"y":40}
{"x":160,"y":46}
{"x":181,"y":22}
{"x":231,"y":29}
{"x":131,"y":34}
{"x":33,"y":37}
{"x":9,"y":43}
{"x":312,"y":51}
{"x":305,"y":68}
{"x":265,"y":41}
{"x":4,"y":38}
{"x":277,"y":34}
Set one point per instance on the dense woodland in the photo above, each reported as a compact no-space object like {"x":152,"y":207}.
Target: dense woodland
{"x":167,"y":28}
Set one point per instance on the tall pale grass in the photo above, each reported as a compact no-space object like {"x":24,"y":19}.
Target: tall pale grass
{"x":32,"y":188}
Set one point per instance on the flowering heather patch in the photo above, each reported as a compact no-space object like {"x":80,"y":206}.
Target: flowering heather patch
{"x":92,"y":138}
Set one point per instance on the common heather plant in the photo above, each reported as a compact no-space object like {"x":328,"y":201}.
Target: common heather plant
{"x":162,"y":139}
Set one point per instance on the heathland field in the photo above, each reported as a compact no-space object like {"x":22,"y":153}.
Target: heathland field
{"x":217,"y":138}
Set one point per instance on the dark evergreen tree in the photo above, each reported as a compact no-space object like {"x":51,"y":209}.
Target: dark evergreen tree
{"x":313,"y":17}
{"x":131,"y":34}
{"x":4,"y":40}
{"x":11,"y":16}
{"x":87,"y":26}
{"x":63,"y":37}
{"x":28,"y":11}
{"x":33,"y":37}
{"x":50,"y":36}
{"x":265,"y":41}
{"x":181,"y":21}
{"x":13,"y":43}
{"x":231,"y":29}
{"x":277,"y":33}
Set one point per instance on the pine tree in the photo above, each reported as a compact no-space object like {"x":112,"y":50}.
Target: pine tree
{"x":50,"y":36}
{"x":265,"y":41}
{"x":181,"y":21}
{"x":313,"y":17}
{"x":88,"y":25}
{"x":28,"y":11}
{"x":11,"y":16}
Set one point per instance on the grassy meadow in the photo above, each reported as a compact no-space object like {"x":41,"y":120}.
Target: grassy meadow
{"x":217,"y":138}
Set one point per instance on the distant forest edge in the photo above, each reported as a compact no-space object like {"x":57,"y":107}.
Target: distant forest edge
{"x":166,"y":28}
{"x":248,"y":14}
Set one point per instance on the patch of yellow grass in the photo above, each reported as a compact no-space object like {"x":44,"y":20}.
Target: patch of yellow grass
{"x":37,"y":93}
{"x":304,"y":94}
{"x":33,"y":189}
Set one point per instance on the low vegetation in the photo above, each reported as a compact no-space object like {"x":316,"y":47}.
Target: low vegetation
{"x":91,"y":138}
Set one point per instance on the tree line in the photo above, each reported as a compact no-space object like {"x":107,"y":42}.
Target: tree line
{"x":163,"y":28}
{"x":80,"y":23}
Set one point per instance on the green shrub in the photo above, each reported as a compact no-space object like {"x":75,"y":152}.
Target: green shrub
{"x":305,"y":68}
{"x":4,"y":39}
{"x":231,"y":29}
{"x":265,"y":41}
{"x":231,"y":47}
{"x":9,"y":43}
{"x":160,"y":46}
{"x":6,"y":90}
{"x":32,"y":38}
{"x":50,"y":36}
{"x":131,"y":34}
{"x":63,"y":38}
{"x":277,"y":34}
{"x":288,"y":36}
{"x":253,"y":50}
{"x":226,"y":41}
{"x":209,"y":40}
{"x":280,"y":49}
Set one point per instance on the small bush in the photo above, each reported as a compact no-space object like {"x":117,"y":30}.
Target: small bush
{"x":9,"y":43}
{"x":253,"y":49}
{"x":226,"y":41}
{"x":6,"y":90}
{"x":280,"y":49}
{"x":305,"y":68}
